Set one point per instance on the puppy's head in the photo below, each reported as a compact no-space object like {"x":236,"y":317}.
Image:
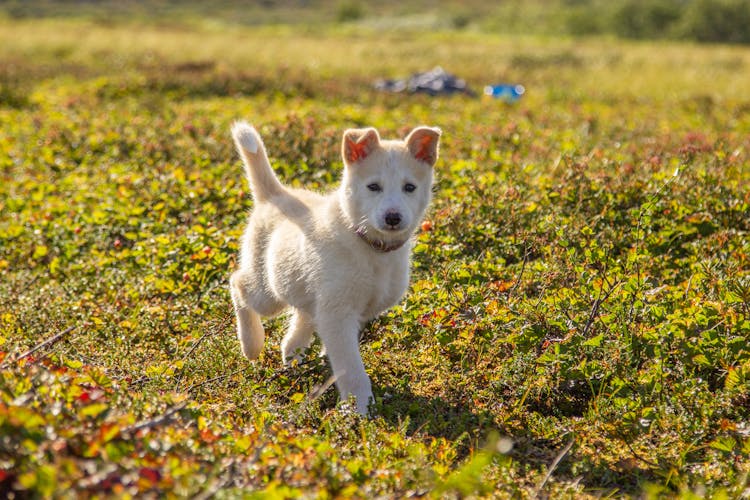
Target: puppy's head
{"x":387,"y":184}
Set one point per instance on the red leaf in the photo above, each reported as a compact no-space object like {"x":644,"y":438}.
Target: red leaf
{"x":150,"y":474}
{"x":208,"y":436}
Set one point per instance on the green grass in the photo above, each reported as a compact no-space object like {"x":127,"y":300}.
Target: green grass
{"x":584,"y":290}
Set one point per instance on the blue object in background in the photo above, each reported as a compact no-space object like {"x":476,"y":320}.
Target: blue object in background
{"x":505,"y":91}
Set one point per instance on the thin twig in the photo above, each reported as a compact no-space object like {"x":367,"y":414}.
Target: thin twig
{"x":25,"y":286}
{"x":216,"y":379}
{"x":216,"y":486}
{"x":95,"y":480}
{"x":636,"y":455}
{"x":44,"y":344}
{"x":554,"y":465}
{"x":277,"y":374}
{"x":595,"y":307}
{"x":523,"y":268}
{"x":154,"y":422}
{"x":222,"y":324}
{"x":216,"y":329}
{"x":593,"y":314}
{"x":641,"y":213}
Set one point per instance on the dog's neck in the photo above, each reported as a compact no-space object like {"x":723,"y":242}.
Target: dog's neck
{"x":377,"y":244}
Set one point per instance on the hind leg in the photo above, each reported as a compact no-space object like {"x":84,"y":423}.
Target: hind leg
{"x":249,"y":327}
{"x":297,"y":337}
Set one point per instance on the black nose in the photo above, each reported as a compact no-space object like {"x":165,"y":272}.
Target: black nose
{"x":393,"y":219}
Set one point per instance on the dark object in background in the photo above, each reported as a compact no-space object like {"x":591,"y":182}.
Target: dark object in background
{"x":434,"y":82}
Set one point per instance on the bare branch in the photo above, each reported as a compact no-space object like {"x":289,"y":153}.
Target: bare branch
{"x":215,"y":379}
{"x":155,"y":422}
{"x":46,"y":343}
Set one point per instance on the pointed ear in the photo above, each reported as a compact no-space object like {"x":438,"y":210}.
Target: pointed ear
{"x":423,"y":144}
{"x":358,"y":144}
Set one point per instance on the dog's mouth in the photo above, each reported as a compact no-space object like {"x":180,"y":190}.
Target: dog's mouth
{"x":378,"y":244}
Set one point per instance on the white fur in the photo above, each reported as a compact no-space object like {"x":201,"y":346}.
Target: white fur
{"x":246,"y":136}
{"x":337,"y":260}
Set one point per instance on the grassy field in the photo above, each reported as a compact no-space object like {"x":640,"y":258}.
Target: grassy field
{"x":578,"y":320}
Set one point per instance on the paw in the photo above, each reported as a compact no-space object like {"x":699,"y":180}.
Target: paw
{"x":363,"y":403}
{"x":363,"y":396}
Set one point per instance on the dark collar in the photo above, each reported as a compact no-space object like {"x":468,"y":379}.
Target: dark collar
{"x":379,"y":245}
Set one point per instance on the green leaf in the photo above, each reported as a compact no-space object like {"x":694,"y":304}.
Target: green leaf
{"x":733,"y":379}
{"x":594,"y":341}
{"x":72,"y":363}
{"x":54,"y":265}
{"x":40,"y":251}
{"x":724,"y":443}
{"x":467,"y":480}
{"x":421,"y":248}
{"x":701,"y":359}
{"x":43,"y":480}
{"x":93,"y":410}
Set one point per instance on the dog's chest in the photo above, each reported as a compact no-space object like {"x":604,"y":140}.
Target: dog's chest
{"x":381,"y":286}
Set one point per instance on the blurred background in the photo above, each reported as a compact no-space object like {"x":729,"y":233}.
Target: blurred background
{"x":698,"y":20}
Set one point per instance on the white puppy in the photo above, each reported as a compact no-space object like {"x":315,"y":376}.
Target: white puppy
{"x":337,"y":260}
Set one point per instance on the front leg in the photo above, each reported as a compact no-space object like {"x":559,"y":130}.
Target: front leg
{"x":340,"y":339}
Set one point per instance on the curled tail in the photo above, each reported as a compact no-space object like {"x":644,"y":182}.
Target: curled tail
{"x":263,"y":182}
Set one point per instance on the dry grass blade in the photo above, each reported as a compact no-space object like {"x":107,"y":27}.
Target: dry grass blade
{"x":319,"y":390}
{"x":553,"y":466}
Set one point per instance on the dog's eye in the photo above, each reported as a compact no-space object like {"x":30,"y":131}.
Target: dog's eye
{"x":375,"y":187}
{"x":409,"y":187}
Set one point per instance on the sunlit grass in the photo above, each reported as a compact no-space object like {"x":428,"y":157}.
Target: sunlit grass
{"x":585,"y":279}
{"x":597,"y":67}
